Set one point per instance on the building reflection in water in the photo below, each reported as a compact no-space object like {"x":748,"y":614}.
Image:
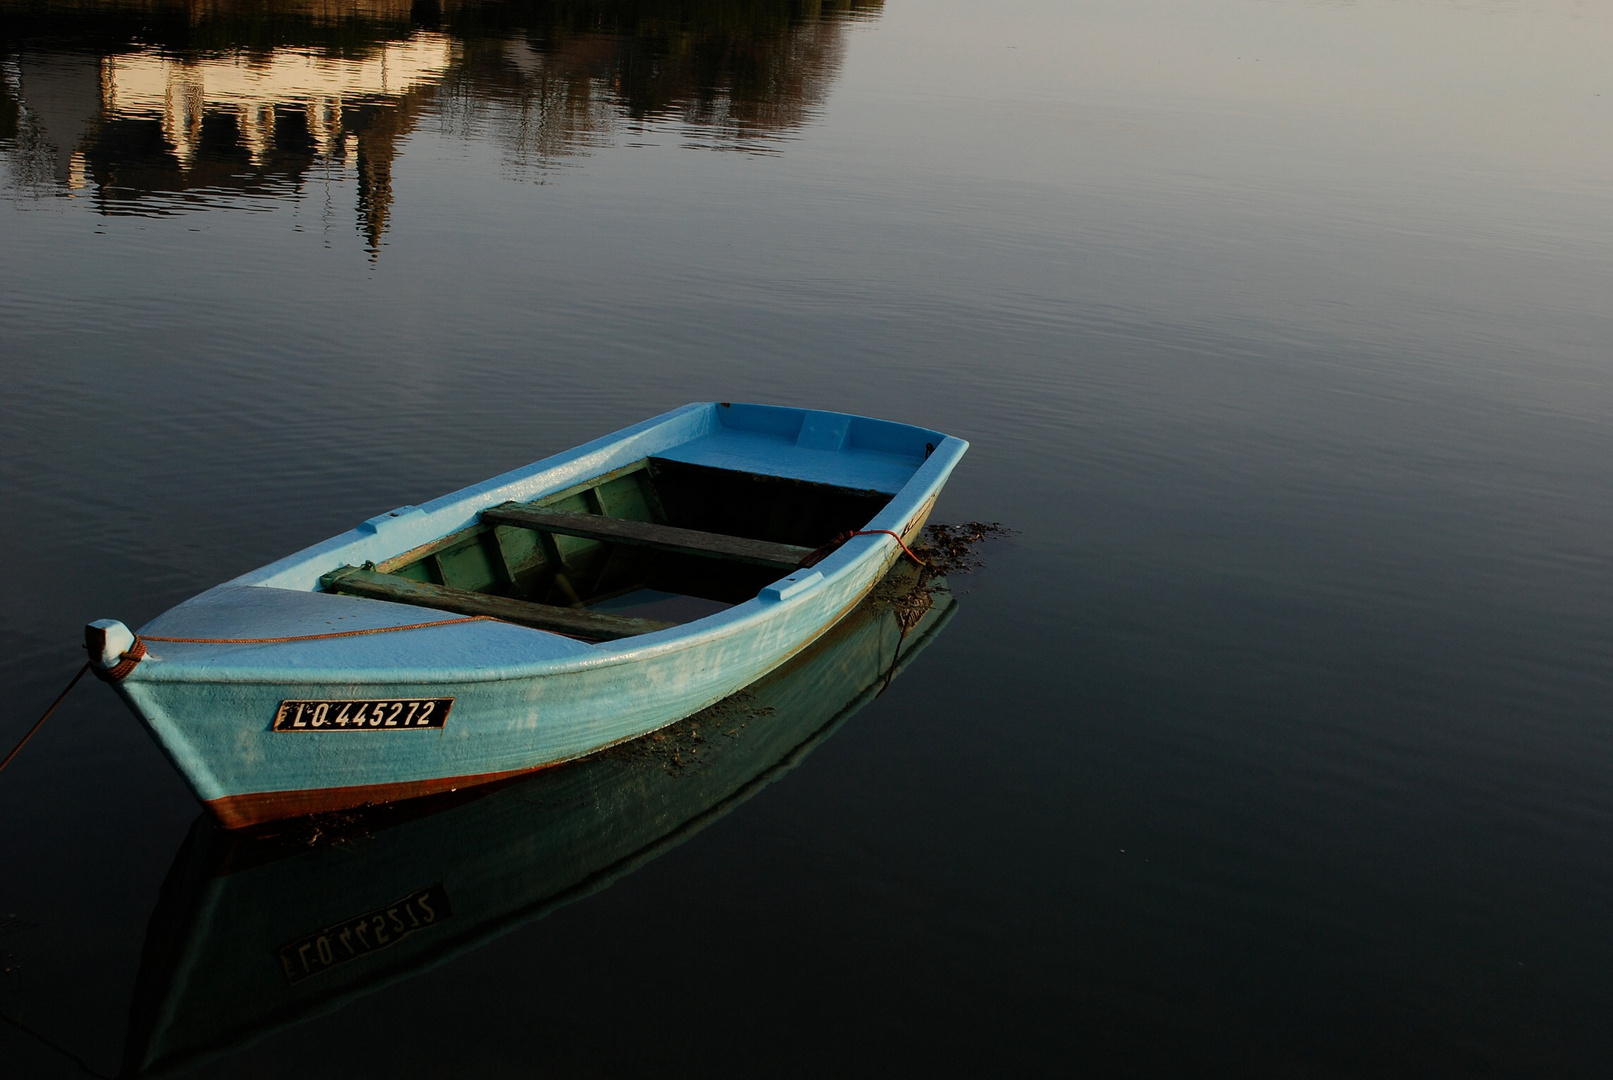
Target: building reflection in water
{"x":160,"y":106}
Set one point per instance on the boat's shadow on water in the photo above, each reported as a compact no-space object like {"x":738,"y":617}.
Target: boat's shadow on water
{"x":261,"y":931}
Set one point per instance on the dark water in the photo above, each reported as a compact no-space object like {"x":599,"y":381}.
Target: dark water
{"x":1277,"y":742}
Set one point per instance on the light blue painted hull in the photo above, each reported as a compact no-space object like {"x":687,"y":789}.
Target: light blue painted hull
{"x":523,"y":698}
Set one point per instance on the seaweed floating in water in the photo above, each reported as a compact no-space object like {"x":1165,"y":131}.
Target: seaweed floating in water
{"x":952,"y":549}
{"x":908,"y":591}
{"x":946,"y":550}
{"x":679,"y":745}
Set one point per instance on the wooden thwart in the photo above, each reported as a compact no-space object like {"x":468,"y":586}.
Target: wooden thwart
{"x":594,"y":625}
{"x":648,"y":534}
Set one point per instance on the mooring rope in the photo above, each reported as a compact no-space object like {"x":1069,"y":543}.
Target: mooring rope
{"x":137,"y":652}
{"x":126,"y":663}
{"x":66,"y":1053}
{"x":41,"y":721}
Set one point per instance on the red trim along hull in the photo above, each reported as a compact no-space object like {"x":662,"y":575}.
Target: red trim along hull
{"x":257,"y":808}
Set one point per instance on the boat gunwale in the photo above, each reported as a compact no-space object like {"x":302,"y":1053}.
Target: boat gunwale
{"x":908,"y":504}
{"x":739,"y":619}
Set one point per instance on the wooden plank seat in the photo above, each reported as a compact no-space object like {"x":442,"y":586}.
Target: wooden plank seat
{"x":576,"y":622}
{"x":648,"y":534}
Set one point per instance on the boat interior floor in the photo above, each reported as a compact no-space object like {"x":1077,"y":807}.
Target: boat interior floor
{"x":644,"y":547}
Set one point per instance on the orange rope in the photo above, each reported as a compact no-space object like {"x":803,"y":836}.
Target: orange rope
{"x":312,"y":637}
{"x":120,"y":671}
{"x":137,"y":652}
{"x":834,"y":545}
{"x":899,"y":540}
{"x":41,"y":721}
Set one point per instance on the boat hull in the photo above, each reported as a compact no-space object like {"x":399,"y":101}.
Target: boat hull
{"x":522,"y":699}
{"x":497,"y":729}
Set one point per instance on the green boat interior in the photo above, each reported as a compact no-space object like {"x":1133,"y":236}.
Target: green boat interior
{"x":648,"y":546}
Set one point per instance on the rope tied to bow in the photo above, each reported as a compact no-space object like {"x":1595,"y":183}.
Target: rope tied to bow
{"x":126,"y":663}
{"x":834,"y":545}
{"x":135,"y":653}
{"x":15,"y":750}
{"x":132,"y":656}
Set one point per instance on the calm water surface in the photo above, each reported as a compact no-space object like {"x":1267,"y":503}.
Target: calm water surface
{"x":1277,"y":741}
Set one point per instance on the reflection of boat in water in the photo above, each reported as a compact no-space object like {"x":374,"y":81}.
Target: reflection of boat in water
{"x":261,"y":931}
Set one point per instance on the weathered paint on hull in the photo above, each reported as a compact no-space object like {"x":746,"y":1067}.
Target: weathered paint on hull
{"x":256,"y":808}
{"x":524,"y":700}
{"x":509,"y":713}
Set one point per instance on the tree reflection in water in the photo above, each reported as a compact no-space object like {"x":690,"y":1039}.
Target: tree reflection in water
{"x":155,"y":107}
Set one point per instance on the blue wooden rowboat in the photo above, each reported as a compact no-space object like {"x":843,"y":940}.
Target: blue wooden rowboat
{"x":585,"y":599}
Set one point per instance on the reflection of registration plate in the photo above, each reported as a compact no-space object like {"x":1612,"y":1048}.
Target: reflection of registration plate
{"x":363,"y":934}
{"x":369,"y":714}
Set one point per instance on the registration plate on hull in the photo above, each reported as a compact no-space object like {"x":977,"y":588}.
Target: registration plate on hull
{"x":362,"y":714}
